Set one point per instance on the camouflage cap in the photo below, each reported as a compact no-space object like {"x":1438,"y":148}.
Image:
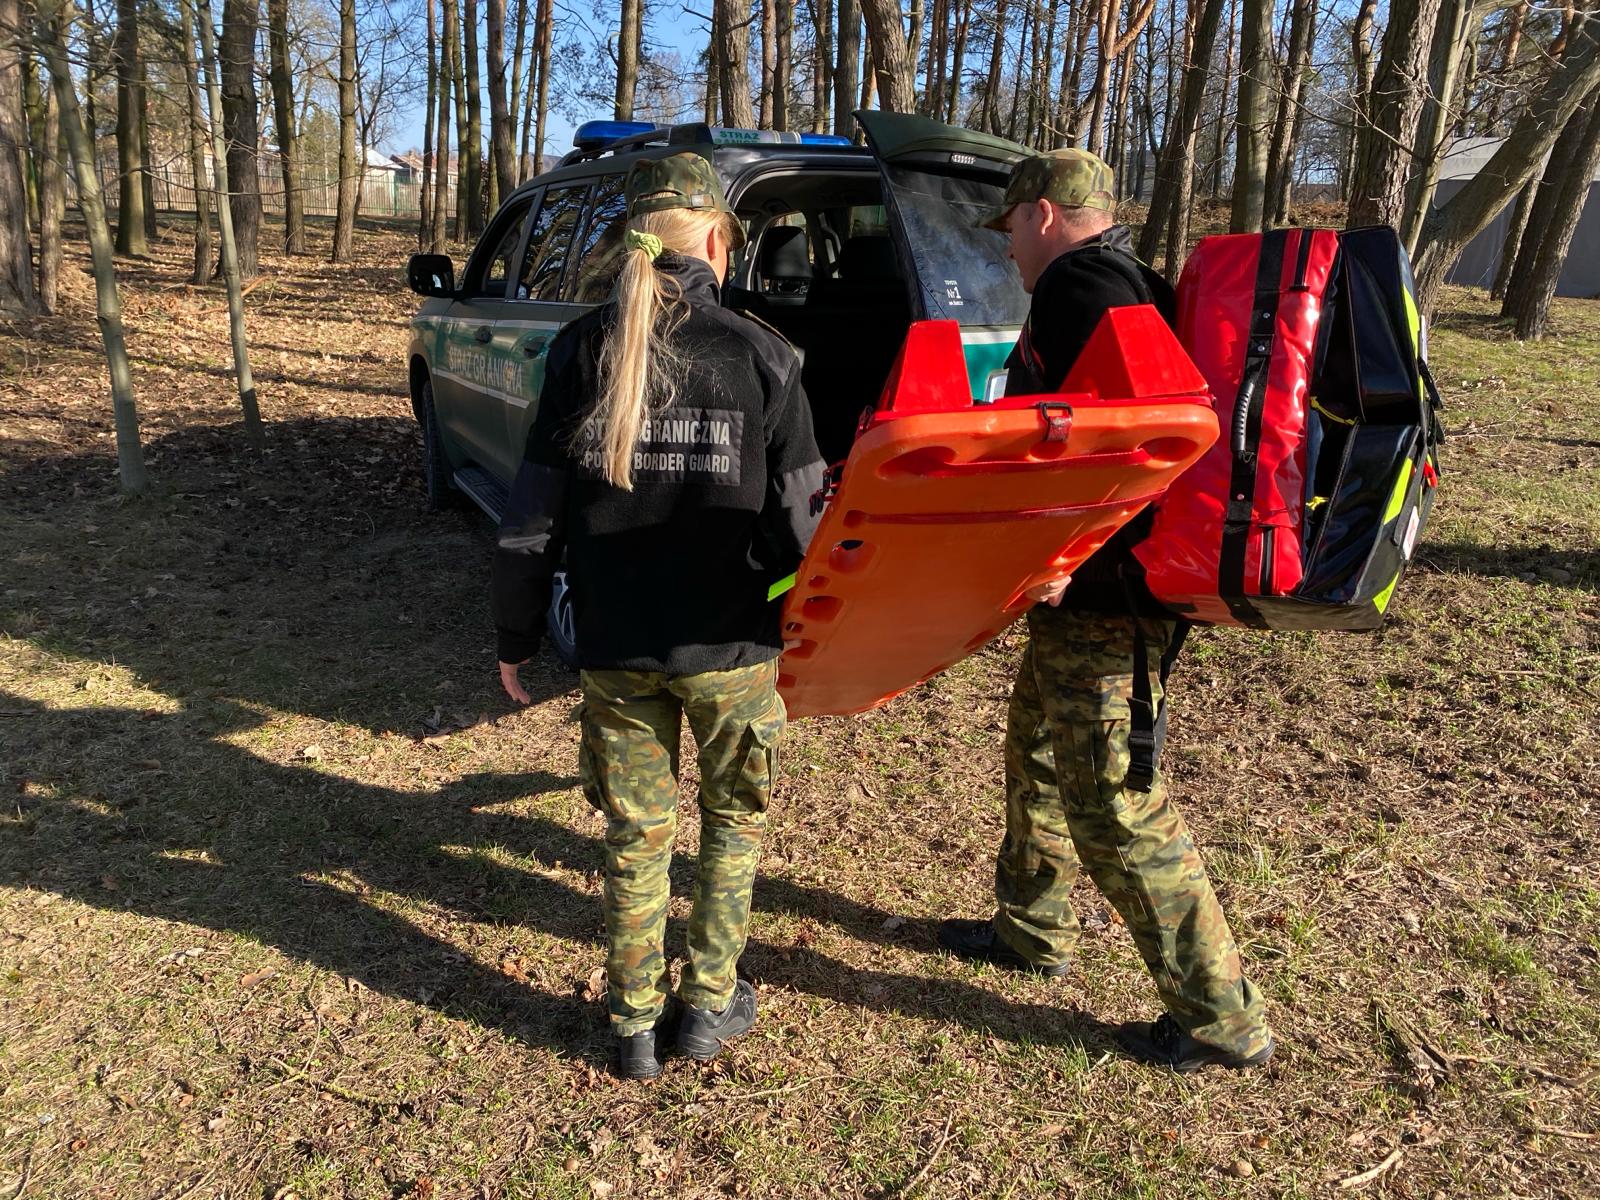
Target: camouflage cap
{"x":1069,"y":178}
{"x":685,"y":180}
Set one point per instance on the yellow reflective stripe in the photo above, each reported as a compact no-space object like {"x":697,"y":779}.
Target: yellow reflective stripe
{"x":1381,"y":600}
{"x":1397,"y":498}
{"x":782,"y":586}
{"x":1414,"y":324}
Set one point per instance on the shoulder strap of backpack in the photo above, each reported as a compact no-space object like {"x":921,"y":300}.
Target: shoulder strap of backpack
{"x":1245,"y":425}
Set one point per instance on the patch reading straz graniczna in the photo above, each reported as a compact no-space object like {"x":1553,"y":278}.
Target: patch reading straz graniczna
{"x":699,"y":445}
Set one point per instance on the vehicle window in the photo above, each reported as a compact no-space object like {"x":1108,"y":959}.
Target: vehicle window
{"x":869,"y":220}
{"x":550,"y":240}
{"x":963,"y":273}
{"x":504,"y":238}
{"x":599,"y":254}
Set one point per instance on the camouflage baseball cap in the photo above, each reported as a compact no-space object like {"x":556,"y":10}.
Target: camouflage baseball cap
{"x":1069,"y":178}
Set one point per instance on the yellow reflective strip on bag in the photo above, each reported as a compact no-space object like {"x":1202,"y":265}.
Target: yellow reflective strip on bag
{"x":1414,"y":324}
{"x":779,"y":588}
{"x":1381,"y":600}
{"x":1397,"y":498}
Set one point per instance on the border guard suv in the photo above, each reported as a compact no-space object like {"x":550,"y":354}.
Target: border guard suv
{"x":846,"y":246}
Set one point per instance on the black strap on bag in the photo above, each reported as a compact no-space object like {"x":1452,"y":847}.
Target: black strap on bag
{"x":1245,"y":424}
{"x":1147,"y":728}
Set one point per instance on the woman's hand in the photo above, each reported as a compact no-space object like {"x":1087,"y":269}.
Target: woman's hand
{"x":513,"y":685}
{"x":1048,"y":593}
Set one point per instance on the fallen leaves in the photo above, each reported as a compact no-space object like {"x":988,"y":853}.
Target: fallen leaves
{"x":256,"y":978}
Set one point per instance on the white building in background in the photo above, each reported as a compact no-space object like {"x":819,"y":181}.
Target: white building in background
{"x":1580,"y":275}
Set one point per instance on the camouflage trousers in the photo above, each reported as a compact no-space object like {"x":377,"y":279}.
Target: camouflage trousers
{"x":629,"y":765}
{"x":1066,"y":762}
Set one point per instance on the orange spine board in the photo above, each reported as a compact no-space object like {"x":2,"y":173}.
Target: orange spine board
{"x":947,"y":513}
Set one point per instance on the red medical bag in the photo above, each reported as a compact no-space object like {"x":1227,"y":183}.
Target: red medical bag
{"x":1305,"y":512}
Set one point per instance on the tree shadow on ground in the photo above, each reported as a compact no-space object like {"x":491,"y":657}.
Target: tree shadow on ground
{"x":1573,"y":568}
{"x":310,"y":580}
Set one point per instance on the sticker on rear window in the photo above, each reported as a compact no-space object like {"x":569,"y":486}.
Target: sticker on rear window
{"x":952,"y":292}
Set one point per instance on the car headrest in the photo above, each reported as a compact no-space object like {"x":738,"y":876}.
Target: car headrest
{"x":868,"y":258}
{"x":784,"y":254}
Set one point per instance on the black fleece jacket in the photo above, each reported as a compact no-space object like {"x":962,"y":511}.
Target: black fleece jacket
{"x":673,"y":575}
{"x":1069,"y":299}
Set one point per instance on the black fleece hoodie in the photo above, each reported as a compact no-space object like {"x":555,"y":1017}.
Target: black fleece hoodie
{"x":673,"y":575}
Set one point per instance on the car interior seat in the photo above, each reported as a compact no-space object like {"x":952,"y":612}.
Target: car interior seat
{"x":785,"y":265}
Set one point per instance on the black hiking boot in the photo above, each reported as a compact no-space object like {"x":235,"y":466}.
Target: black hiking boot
{"x":1164,"y":1043}
{"x":639,"y":1055}
{"x":978,"y":941}
{"x":704,"y":1032}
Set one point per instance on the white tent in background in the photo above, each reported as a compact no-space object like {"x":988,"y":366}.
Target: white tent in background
{"x":1580,"y":275}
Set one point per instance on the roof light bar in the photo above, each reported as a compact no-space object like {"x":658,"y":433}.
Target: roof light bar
{"x":726,"y":136}
{"x":592,"y":134}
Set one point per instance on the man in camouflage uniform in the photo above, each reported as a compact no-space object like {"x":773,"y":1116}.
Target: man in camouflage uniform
{"x":1069,"y":799}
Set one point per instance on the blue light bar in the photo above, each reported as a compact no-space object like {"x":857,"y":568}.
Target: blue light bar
{"x":592,"y":134}
{"x":824,"y":139}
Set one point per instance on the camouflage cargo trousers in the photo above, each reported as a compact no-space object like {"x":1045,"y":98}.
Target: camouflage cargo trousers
{"x":1066,"y":762}
{"x":629,"y":766}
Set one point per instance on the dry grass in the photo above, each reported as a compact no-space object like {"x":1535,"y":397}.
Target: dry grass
{"x":292,"y":904}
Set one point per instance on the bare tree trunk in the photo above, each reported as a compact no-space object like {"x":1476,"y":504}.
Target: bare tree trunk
{"x":1105,"y":21}
{"x":30,"y":150}
{"x":958,"y":58}
{"x":1512,"y":242}
{"x":505,"y":175}
{"x":1175,"y":167}
{"x":784,"y":67}
{"x":990,"y":117}
{"x":530,"y":91}
{"x":147,"y":178}
{"x":1508,"y":62}
{"x":733,"y":59}
{"x":18,"y":296}
{"x":1534,"y":310}
{"x":197,"y":153}
{"x":52,"y":16}
{"x":1222,"y":104}
{"x":441,"y":155}
{"x":52,"y":203}
{"x":1447,"y":229}
{"x":627,"y":57}
{"x":769,"y":64}
{"x":542,"y":112}
{"x":869,"y":81}
{"x":131,"y":230}
{"x":231,"y":272}
{"x":1541,"y":214}
{"x":892,"y":64}
{"x":1455,"y":26}
{"x":847,"y":66}
{"x":464,"y":148}
{"x":1063,"y":122}
{"x":519,"y":59}
{"x":1024,"y":56}
{"x":1382,"y":159}
{"x":351,"y":172}
{"x":294,"y":219}
{"x":473,"y":143}
{"x":821,"y":64}
{"x":1285,"y":130}
{"x":239,"y":119}
{"x":425,"y":194}
{"x":1252,"y":121}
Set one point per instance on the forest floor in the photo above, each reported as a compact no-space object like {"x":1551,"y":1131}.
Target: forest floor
{"x":294,"y":903}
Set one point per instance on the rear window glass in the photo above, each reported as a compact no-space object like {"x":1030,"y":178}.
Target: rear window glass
{"x":600,"y":255}
{"x":963,"y":272}
{"x":549,"y":241}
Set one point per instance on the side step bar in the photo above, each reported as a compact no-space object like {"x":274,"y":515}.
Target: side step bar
{"x":483,"y":489}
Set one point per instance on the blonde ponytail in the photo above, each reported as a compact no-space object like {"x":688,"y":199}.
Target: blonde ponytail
{"x":639,"y":369}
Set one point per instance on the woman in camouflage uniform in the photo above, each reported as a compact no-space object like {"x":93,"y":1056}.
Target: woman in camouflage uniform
{"x":672,"y":461}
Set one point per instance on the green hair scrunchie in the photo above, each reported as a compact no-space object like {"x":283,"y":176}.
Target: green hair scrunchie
{"x":648,"y":242}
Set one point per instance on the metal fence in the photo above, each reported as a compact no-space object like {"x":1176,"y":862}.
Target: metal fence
{"x":384,"y":193}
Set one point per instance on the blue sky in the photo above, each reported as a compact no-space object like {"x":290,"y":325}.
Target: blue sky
{"x":667,"y":27}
